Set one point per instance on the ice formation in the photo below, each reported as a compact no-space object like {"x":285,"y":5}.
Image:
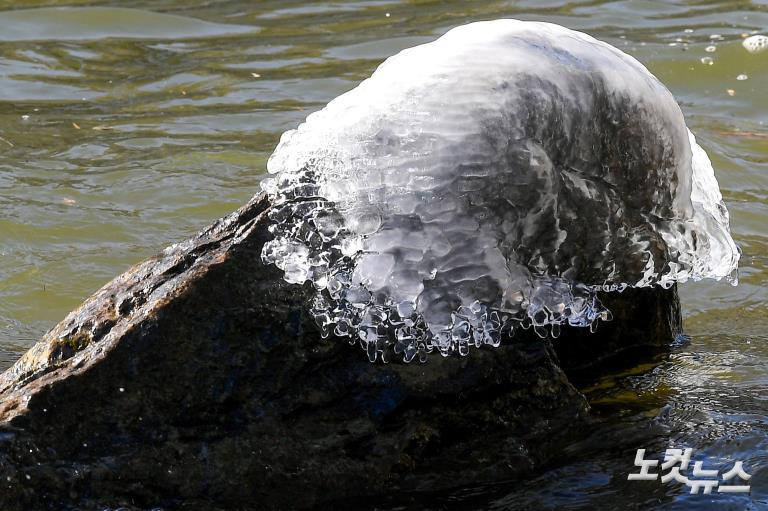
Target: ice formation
{"x":495,"y":178}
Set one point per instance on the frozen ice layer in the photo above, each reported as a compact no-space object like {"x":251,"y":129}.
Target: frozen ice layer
{"x":495,"y":178}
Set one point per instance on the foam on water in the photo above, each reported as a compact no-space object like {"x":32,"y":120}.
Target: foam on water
{"x":495,"y":178}
{"x":756,"y":43}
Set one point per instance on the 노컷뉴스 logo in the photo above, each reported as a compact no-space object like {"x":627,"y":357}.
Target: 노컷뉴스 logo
{"x":676,"y":463}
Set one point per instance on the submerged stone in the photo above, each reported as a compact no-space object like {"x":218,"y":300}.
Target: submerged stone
{"x":198,"y":380}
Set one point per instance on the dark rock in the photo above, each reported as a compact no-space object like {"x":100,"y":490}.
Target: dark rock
{"x":645,"y":321}
{"x":196,"y":380}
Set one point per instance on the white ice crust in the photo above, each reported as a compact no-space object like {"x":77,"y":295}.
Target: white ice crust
{"x":494,"y":178}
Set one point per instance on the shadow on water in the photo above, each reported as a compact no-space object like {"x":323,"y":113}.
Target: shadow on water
{"x":122,"y":130}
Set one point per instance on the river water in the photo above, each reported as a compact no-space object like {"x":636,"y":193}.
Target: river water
{"x":123,"y":130}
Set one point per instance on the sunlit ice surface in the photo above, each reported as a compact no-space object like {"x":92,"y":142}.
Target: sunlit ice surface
{"x":495,"y":178}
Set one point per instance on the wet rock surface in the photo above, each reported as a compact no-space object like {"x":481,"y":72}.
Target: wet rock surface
{"x":197,"y":380}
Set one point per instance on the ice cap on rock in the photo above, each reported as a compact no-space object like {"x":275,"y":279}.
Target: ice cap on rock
{"x":496,"y":177}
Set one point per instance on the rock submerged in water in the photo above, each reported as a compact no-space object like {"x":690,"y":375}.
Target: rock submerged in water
{"x":198,"y":379}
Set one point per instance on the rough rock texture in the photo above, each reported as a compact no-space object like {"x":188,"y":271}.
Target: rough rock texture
{"x":196,"y":380}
